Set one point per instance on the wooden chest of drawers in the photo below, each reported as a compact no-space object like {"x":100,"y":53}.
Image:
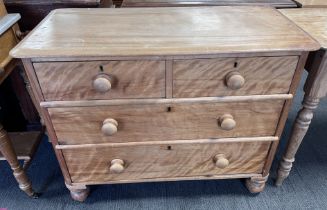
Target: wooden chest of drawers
{"x":159,"y":94}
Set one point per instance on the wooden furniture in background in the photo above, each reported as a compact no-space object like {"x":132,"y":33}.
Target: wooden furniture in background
{"x":311,"y":3}
{"x":156,"y":107}
{"x":13,"y":69}
{"x":8,"y":40}
{"x":21,"y":144}
{"x":33,"y":11}
{"x":25,"y":145}
{"x":174,"y":3}
{"x":313,"y":21}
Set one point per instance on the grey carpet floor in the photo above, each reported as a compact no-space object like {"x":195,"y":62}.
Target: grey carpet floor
{"x":306,"y":188}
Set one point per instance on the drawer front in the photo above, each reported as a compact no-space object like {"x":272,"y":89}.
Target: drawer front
{"x":137,"y":162}
{"x":101,"y":80}
{"x":136,"y":123}
{"x":233,"y":76}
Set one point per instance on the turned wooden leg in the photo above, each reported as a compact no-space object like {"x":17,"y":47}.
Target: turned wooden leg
{"x":78,"y":193}
{"x":300,"y":128}
{"x":256,"y":184}
{"x":8,"y":152}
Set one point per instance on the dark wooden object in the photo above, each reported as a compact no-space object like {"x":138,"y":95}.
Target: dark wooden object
{"x":33,"y":11}
{"x":6,"y":148}
{"x":12,"y":70}
{"x":25,"y":144}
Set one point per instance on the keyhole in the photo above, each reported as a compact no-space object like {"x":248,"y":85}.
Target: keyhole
{"x":169,"y":109}
{"x":235,"y":65}
{"x":101,"y":68}
{"x":168,"y":147}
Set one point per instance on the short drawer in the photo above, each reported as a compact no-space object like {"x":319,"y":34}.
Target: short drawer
{"x":233,"y":76}
{"x":101,"y":80}
{"x":135,"y":123}
{"x":137,"y":162}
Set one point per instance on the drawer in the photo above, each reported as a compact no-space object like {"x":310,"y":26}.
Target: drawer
{"x":233,"y":76}
{"x":136,"y":123}
{"x":137,"y":162}
{"x":101,"y":80}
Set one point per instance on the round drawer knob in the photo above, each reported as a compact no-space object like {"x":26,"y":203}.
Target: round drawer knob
{"x":102,"y":83}
{"x":117,"y":166}
{"x":221,"y":161}
{"x":109,"y":127}
{"x":234,"y":80}
{"x":227,"y":122}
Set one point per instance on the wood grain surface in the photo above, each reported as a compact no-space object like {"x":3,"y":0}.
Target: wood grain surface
{"x":163,"y":31}
{"x":207,"y":77}
{"x":170,"y":3}
{"x":82,"y":125}
{"x":73,"y":80}
{"x":159,"y":161}
{"x":311,"y":20}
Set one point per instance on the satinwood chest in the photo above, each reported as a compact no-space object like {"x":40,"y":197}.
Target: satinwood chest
{"x":163,"y":94}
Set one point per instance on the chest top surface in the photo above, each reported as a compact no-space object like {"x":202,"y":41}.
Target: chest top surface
{"x":163,"y":31}
{"x":312,"y":3}
{"x":312,"y":20}
{"x":275,"y":3}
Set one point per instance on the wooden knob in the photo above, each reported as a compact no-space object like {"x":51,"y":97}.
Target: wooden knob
{"x":221,"y":161}
{"x":117,"y":166}
{"x":102,"y":83}
{"x":234,"y":80}
{"x":109,"y":127}
{"x":227,"y":122}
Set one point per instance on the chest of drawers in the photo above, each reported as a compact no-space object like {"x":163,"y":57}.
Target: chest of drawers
{"x":163,"y":94}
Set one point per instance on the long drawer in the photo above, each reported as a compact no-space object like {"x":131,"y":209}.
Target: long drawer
{"x":233,"y":76}
{"x":137,"y":162}
{"x":101,"y":80}
{"x":136,"y":123}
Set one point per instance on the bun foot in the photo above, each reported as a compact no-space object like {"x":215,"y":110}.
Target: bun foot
{"x":256,"y":184}
{"x":79,"y":193}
